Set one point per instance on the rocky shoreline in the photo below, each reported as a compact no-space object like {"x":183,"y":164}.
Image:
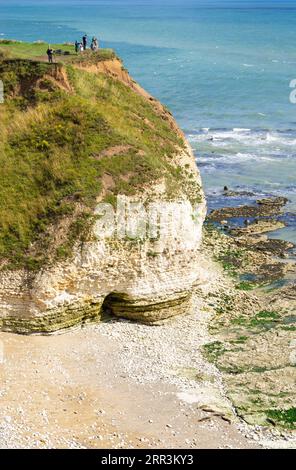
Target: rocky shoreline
{"x":254,"y":323}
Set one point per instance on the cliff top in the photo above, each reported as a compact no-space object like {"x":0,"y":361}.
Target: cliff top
{"x":37,"y":51}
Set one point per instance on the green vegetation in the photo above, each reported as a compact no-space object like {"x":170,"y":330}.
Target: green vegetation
{"x":286,"y":418}
{"x":214,"y":350}
{"x":231,"y":259}
{"x":245,"y":285}
{"x":263,"y":319}
{"x":240,"y":340}
{"x":67,"y":137}
{"x":37,"y":51}
{"x":23,"y":50}
{"x":226,"y":304}
{"x":267,"y":315}
{"x":289,"y":328}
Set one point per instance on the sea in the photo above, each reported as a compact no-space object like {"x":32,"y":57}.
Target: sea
{"x":226,"y":69}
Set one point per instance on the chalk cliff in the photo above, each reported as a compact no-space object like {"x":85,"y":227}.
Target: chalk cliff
{"x":106,"y":212}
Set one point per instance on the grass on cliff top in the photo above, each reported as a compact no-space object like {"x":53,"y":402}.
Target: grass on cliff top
{"x":59,"y":150}
{"x":37,"y":50}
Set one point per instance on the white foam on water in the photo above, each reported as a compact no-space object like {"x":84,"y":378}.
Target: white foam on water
{"x":245,"y":136}
{"x":235,"y":158}
{"x":241,"y":129}
{"x":253,"y":156}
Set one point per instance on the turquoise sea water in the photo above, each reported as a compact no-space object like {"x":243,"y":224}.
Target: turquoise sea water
{"x":222,"y":67}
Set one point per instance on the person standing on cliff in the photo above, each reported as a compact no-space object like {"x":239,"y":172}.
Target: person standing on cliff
{"x":49,"y":53}
{"x":94,"y":44}
{"x":84,"y":41}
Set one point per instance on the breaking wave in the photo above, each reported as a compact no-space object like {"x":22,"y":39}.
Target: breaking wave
{"x":247,"y":137}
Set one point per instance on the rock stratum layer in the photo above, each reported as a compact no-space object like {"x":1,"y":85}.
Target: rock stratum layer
{"x":101,"y":142}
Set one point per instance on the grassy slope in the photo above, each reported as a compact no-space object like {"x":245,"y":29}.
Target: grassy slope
{"x":51,"y":153}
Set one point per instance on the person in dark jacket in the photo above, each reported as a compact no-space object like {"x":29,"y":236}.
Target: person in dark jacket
{"x":84,"y":41}
{"x":76,"y":47}
{"x":49,"y":53}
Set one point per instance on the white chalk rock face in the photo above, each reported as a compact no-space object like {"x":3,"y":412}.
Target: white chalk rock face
{"x":140,"y":262}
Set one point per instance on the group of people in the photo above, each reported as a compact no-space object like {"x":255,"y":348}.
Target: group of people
{"x":79,"y":47}
{"x":82,"y":46}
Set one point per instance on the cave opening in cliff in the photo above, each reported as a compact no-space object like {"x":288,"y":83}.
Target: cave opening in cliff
{"x":111,"y":304}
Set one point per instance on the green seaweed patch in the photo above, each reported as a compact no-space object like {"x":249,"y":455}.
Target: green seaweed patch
{"x":264,"y":318}
{"x":285,"y":418}
{"x":231,"y":259}
{"x":289,"y":328}
{"x":245,"y":286}
{"x":240,"y":340}
{"x":214,"y":350}
{"x":225,"y":305}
